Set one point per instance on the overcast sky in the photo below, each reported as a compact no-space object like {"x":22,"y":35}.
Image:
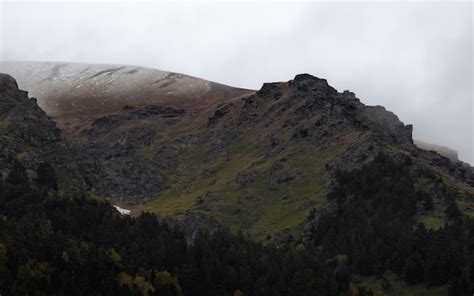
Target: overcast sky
{"x":413,"y":58}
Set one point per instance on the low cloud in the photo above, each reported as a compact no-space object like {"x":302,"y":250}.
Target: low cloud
{"x":413,"y":58}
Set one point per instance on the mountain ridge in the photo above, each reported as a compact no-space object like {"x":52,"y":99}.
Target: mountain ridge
{"x":74,"y":94}
{"x":288,"y":165}
{"x":72,"y":123}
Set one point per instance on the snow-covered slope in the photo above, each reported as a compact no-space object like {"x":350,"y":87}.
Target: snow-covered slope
{"x":73,"y":92}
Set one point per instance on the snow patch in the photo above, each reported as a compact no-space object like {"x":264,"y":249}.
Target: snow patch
{"x":122,"y":210}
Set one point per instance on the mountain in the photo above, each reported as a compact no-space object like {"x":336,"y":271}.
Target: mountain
{"x":54,"y":241}
{"x":259,"y":161}
{"x":73,"y":94}
{"x":296,"y":163}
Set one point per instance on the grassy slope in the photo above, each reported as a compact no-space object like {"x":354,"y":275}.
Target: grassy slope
{"x":253,"y":207}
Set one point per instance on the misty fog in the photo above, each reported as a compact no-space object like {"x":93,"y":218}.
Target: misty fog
{"x":413,"y":58}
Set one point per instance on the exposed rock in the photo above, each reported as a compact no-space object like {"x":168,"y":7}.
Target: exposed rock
{"x":165,"y":158}
{"x":151,"y":110}
{"x":281,"y":238}
{"x":194,"y":222}
{"x":216,"y":149}
{"x":308,"y":83}
{"x":246,"y":177}
{"x":348,"y":95}
{"x":284,"y":177}
{"x":28,"y":134}
{"x":208,"y":197}
{"x":312,"y":221}
{"x":301,"y":133}
{"x":387,"y":123}
{"x":270,"y":90}
{"x":134,"y":178}
{"x":306,"y":205}
{"x":218,"y":114}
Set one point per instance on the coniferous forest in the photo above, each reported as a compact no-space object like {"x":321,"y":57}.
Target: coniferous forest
{"x":374,"y":223}
{"x":55,"y":243}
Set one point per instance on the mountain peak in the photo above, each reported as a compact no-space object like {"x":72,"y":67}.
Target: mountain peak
{"x":307,"y":77}
{"x":306,"y":82}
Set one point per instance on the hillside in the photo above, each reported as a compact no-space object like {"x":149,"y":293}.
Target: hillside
{"x":296,"y":163}
{"x":54,"y":241}
{"x":73,"y":94}
{"x":260,"y":162}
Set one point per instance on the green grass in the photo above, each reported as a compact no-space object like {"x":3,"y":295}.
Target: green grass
{"x":3,"y":127}
{"x":261,"y":208}
{"x":147,"y":152}
{"x":466,"y":206}
{"x":253,"y":207}
{"x":432,"y":222}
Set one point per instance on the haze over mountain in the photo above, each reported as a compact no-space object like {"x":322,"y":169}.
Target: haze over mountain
{"x":74,"y":94}
{"x":423,"y":73}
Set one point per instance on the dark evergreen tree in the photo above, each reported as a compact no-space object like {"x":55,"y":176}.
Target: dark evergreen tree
{"x":18,"y":175}
{"x":47,"y":176}
{"x":374,"y":226}
{"x":63,"y":244}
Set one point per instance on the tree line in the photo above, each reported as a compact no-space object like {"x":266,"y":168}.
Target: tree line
{"x":374,"y":226}
{"x":58,"y":243}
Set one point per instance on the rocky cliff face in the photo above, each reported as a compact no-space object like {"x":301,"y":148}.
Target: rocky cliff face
{"x":26,"y":131}
{"x":29,"y":135}
{"x":23,"y":121}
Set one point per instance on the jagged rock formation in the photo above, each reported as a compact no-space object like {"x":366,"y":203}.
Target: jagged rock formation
{"x":29,"y":135}
{"x":24,"y":125}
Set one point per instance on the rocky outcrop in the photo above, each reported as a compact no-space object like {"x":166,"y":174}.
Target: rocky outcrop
{"x":29,"y":135}
{"x":26,"y":131}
